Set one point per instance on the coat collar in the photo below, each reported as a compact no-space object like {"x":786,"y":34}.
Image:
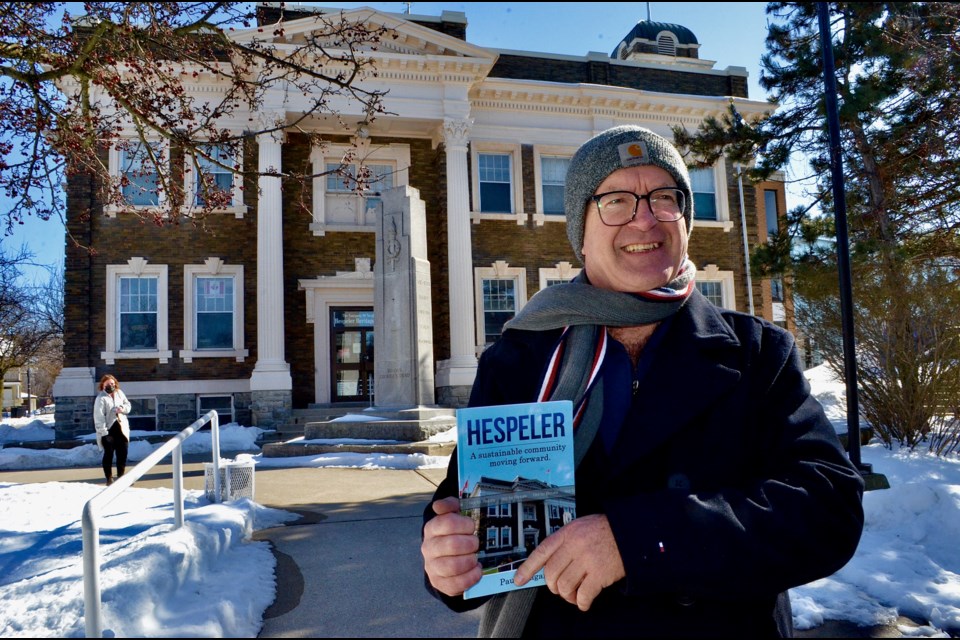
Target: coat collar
{"x":698,"y":361}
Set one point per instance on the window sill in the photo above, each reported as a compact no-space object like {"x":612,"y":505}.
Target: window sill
{"x":110,"y":357}
{"x":153,"y":209}
{"x":477,"y":216}
{"x":139,"y":209}
{"x":239,"y":354}
{"x":725,"y":225}
{"x":321,"y":229}
{"x":540,"y":218}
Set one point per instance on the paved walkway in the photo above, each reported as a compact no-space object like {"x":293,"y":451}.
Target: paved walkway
{"x":351,"y":567}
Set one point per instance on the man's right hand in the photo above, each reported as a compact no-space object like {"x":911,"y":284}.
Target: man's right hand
{"x":450,"y":549}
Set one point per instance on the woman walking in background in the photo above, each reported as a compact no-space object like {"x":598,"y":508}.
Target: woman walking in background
{"x":110,"y":411}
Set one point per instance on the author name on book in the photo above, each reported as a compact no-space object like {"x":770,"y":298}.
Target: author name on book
{"x":515,"y":428}
{"x":538,"y":577}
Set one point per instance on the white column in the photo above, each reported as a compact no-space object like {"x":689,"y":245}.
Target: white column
{"x":461,"y":368}
{"x":272,"y":371}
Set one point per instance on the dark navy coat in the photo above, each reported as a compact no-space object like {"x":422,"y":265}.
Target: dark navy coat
{"x":724,"y":458}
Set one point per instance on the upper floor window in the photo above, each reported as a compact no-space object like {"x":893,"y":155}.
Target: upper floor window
{"x":703,"y":185}
{"x":378,"y":180}
{"x":139,"y":178}
{"x":770,"y":211}
{"x":337,"y":205}
{"x":495,"y":182}
{"x":133,"y":166}
{"x":215,"y":178}
{"x":553,"y":176}
{"x":776,"y":289}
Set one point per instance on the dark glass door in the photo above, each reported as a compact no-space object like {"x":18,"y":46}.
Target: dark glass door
{"x":351,"y":354}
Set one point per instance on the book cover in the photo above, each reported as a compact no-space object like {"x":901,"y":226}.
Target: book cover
{"x":516,"y":482}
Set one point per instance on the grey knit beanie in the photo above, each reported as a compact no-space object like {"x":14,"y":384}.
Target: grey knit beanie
{"x":618,"y":148}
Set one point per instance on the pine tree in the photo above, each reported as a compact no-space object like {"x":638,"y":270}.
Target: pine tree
{"x":896,"y":69}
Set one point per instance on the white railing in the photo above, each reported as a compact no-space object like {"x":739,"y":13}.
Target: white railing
{"x":91,"y":510}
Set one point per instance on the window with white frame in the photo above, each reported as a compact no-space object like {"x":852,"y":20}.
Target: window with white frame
{"x":138,"y":173}
{"x":529,"y":512}
{"x":213,"y":311}
{"x":501,"y":291}
{"x":559,"y":274}
{"x":336,"y":203}
{"x":712,"y":291}
{"x":495,"y":172}
{"x":493,"y":510}
{"x":499,"y":305}
{"x":136,"y":311}
{"x":343,"y":179}
{"x":493,"y":537}
{"x":506,"y":509}
{"x":506,"y":536}
{"x":496,"y":181}
{"x":717,"y":286}
{"x":223,"y":405}
{"x":217,"y":178}
{"x":553,"y":176}
{"x":703,"y":185}
{"x":133,"y":164}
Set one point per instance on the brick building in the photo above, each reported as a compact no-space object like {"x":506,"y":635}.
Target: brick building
{"x":271,"y":309}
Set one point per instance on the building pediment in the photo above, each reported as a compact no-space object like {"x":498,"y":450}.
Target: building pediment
{"x":406,"y":45}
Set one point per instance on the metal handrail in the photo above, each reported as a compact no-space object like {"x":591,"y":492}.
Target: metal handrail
{"x":91,"y":528}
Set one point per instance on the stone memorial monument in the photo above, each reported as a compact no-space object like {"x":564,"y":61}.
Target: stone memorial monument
{"x":403,"y":392}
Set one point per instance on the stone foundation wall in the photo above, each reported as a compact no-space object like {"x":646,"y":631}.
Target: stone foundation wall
{"x":270,"y":408}
{"x":454,"y":397}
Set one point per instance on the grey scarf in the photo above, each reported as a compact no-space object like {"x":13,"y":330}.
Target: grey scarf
{"x":587,"y":310}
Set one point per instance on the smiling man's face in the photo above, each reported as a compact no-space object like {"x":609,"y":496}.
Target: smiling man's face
{"x":641,"y":255}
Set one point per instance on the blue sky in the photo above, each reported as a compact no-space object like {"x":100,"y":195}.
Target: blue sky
{"x":730,"y":33}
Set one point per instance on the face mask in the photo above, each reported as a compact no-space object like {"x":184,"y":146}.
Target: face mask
{"x":108,"y":388}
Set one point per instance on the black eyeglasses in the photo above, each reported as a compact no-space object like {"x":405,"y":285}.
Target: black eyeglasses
{"x":618,"y":208}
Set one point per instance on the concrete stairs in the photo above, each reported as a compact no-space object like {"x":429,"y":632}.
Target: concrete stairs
{"x":361,"y":429}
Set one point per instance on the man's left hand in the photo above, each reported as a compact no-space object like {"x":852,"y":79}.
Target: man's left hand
{"x":579,"y":561}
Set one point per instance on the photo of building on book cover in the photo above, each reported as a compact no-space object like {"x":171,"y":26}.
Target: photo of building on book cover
{"x":516,"y":482}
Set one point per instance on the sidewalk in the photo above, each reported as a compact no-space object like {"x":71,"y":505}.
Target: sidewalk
{"x":351,"y":566}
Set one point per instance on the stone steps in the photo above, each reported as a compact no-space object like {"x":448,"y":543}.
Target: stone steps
{"x":385,"y":430}
{"x":291,"y":449}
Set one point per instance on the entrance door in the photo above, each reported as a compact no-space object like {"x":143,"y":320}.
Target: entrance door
{"x":351,"y":354}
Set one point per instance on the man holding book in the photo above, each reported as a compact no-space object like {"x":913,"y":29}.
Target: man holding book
{"x":708,"y":481}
